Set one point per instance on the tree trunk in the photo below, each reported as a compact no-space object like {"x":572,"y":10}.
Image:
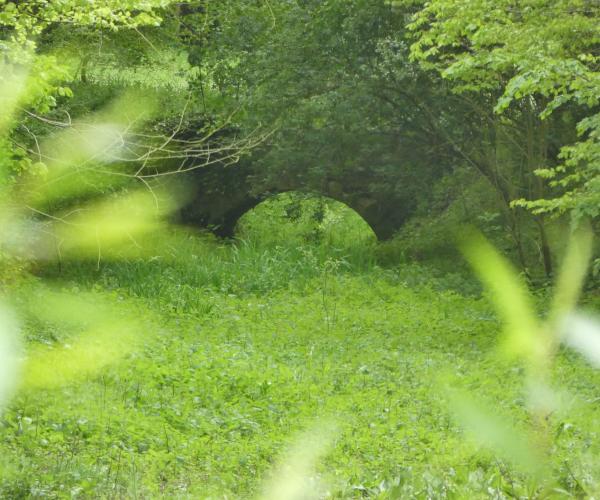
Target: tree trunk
{"x":545,"y":247}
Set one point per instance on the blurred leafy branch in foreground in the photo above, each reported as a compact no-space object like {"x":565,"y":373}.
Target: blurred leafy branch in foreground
{"x":92,"y":229}
{"x":78,"y":187}
{"x":533,"y":342}
{"x":107,"y":327}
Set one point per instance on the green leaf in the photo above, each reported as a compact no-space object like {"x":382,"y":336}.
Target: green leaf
{"x":510,"y":296}
{"x":498,"y":433}
{"x":572,"y":273}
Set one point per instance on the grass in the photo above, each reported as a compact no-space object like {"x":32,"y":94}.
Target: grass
{"x":254,"y":343}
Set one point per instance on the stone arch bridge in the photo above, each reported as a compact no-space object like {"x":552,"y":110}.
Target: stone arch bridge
{"x":220,"y":196}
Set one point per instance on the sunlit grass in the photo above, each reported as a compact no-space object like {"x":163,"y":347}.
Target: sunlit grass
{"x":248,"y":352}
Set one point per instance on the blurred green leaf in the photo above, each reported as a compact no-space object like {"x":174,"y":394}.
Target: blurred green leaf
{"x":100,"y":227}
{"x":572,"y":273}
{"x":498,"y":433}
{"x":582,"y":333}
{"x":67,"y":308}
{"x":89,"y":157}
{"x":8,"y":353}
{"x":510,"y":295}
{"x":12,"y":86}
{"x":108,"y":332}
{"x":295,"y":478}
{"x":48,"y":367}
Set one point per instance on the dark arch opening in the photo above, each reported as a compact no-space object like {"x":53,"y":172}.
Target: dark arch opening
{"x":303,"y":217}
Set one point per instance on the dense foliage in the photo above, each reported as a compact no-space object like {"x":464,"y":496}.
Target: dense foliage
{"x":405,"y":97}
{"x":400,"y":100}
{"x":155,"y":360}
{"x":536,"y":58}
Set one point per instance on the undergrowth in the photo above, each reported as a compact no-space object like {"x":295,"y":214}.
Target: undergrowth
{"x":253,"y":342}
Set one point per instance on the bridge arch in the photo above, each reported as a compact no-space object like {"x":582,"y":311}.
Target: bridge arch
{"x":220,"y":196}
{"x":304,"y":214}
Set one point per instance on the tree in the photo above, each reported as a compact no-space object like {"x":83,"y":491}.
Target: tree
{"x":334,"y":79}
{"x":538,"y":60}
{"x":21,"y":23}
{"x":104,"y":51}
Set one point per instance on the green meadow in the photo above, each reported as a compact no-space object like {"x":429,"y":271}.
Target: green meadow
{"x":257,"y":346}
{"x":299,"y":249}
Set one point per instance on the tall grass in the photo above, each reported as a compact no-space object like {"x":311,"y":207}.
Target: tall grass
{"x":292,"y":321}
{"x":258,"y":260}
